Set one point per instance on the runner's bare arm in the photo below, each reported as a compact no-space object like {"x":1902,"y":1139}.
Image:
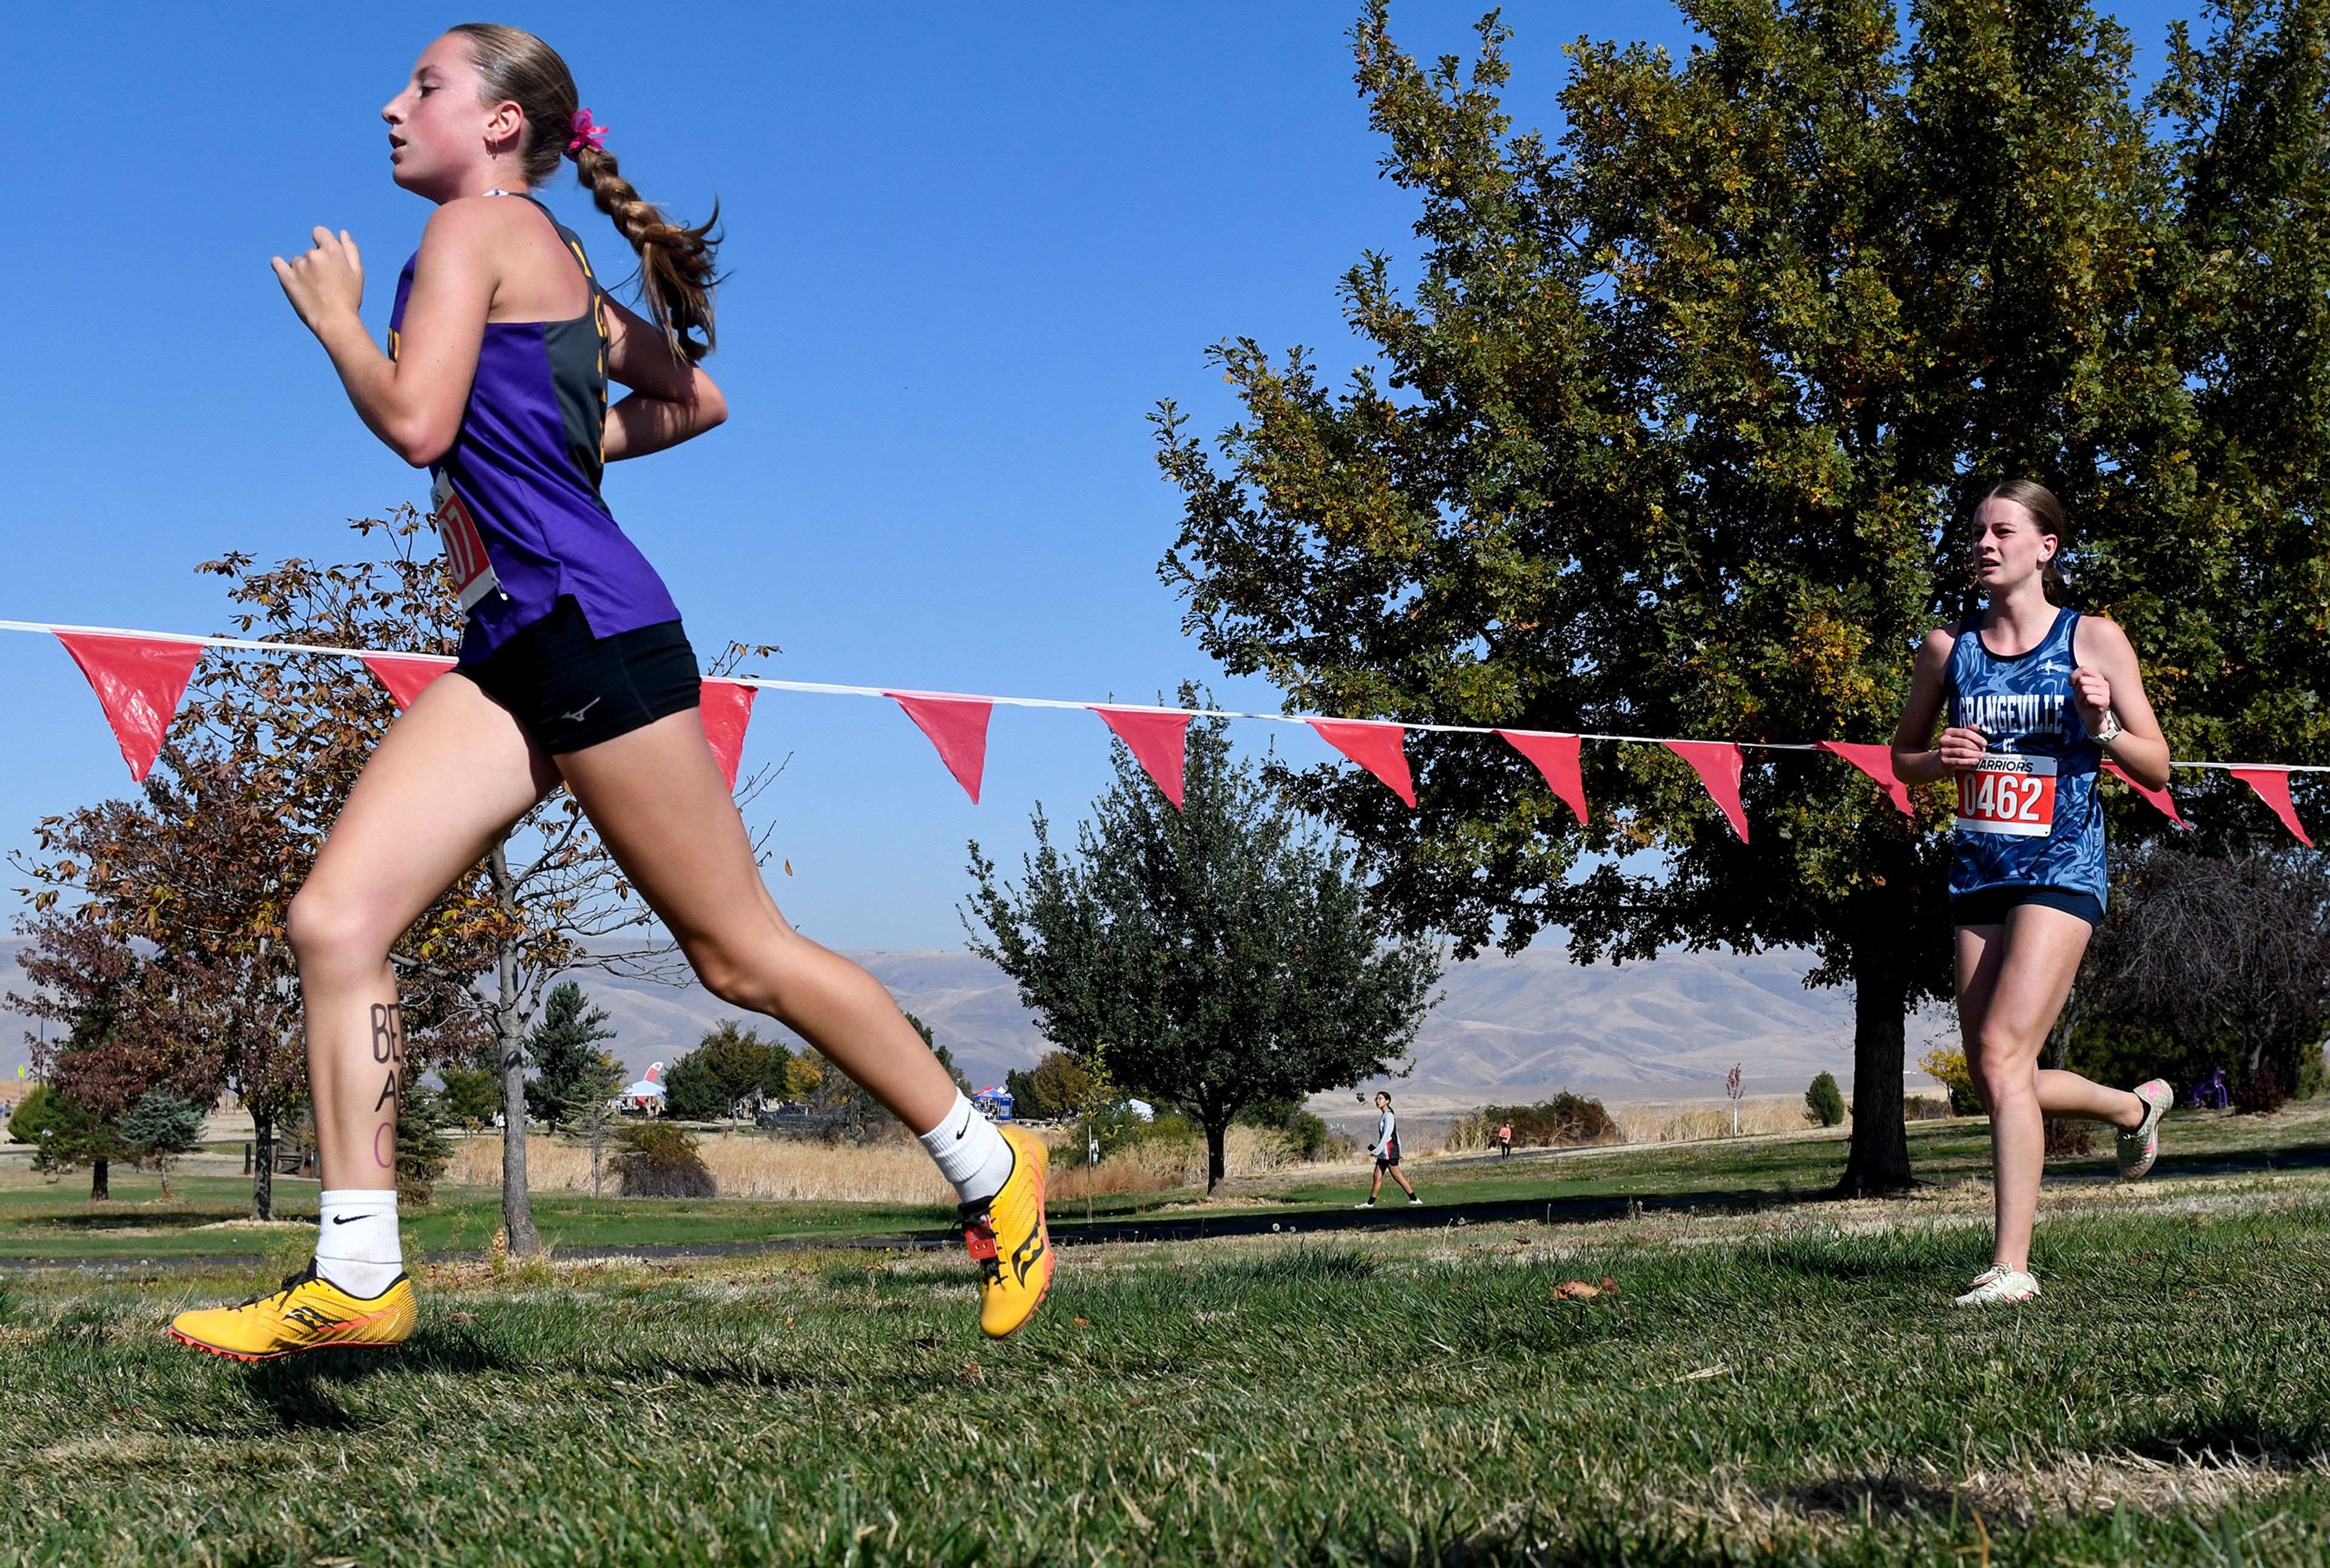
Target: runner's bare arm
{"x":2110,"y":676}
{"x":414,"y":402}
{"x":1915,"y":760}
{"x":669,"y":402}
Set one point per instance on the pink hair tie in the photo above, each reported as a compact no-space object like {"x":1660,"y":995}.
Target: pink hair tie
{"x":593,"y":137}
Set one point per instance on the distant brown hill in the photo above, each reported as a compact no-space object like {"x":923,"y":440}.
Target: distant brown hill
{"x":1511,"y":1028}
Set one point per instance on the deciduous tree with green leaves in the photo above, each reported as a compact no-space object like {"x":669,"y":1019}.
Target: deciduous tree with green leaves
{"x":1215,"y":957}
{"x":1676,"y":432}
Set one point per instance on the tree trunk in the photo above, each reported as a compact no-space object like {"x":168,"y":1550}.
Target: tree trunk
{"x":517,"y":1218}
{"x":262,"y":1180}
{"x":1879,"y":1159}
{"x":1217,"y":1135}
{"x":100,"y":1184}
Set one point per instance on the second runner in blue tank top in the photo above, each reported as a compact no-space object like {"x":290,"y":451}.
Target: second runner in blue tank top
{"x":2029,"y":816}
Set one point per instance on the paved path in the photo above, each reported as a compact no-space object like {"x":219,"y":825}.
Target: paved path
{"x":1186,"y":1226}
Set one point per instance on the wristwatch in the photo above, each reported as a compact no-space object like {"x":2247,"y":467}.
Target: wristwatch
{"x":2111,"y":731}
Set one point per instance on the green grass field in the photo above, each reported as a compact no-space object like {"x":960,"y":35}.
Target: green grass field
{"x":1784,"y":1384}
{"x":40,"y":1219}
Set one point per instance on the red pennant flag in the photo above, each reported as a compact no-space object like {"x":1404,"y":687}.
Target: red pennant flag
{"x":2160,"y":800}
{"x":1380,"y":748}
{"x":1159,"y":743}
{"x":1555,"y":756}
{"x":138,"y":680}
{"x":406,"y":675}
{"x":2272,"y":786}
{"x":1718,"y":764}
{"x":957,"y":726}
{"x":1877,"y":762}
{"x":727,"y":709}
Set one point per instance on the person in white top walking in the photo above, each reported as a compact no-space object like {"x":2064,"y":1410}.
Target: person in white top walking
{"x":1385,"y":1149}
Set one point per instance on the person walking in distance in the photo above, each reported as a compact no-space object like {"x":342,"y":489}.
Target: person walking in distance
{"x":2033,"y":696}
{"x":1505,"y":1140}
{"x":1385,"y":1149}
{"x":573,"y":672}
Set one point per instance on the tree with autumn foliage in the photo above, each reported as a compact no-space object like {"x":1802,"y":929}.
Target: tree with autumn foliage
{"x":124,"y":1030}
{"x":1676,"y":432}
{"x":256,"y":765}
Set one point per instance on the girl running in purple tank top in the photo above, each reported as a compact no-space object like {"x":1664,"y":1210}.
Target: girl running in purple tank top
{"x":574,"y":671}
{"x":2037,"y":696}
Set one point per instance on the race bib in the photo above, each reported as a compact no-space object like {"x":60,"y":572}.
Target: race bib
{"x":2006,"y":793}
{"x":465,"y":547}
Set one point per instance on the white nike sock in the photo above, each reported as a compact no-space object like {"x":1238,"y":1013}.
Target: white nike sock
{"x":357,"y":1247}
{"x":969,"y":1151}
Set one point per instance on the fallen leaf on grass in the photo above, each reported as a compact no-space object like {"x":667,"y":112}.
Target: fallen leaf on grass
{"x":1575,"y":1290}
{"x":1080,"y":1322}
{"x":971,"y":1373}
{"x":453,"y":1317}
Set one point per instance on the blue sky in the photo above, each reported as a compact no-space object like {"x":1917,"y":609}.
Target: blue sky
{"x":968,"y":253}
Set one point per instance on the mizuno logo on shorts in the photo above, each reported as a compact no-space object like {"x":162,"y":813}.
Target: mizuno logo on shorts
{"x":576,"y":717}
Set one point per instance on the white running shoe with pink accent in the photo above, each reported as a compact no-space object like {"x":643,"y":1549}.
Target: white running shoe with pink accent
{"x":1999,"y":1285}
{"x":2139,"y":1145}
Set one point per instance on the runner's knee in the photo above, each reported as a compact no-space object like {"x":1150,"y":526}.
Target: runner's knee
{"x":334,"y":929}
{"x":751,"y":975}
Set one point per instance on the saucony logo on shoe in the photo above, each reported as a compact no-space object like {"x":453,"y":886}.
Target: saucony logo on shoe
{"x":1023,"y":1259}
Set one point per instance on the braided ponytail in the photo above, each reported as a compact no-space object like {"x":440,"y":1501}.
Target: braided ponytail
{"x":677,"y":274}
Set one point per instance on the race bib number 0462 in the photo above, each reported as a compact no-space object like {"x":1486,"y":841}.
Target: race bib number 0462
{"x":465,"y":546}
{"x":2005,"y":794}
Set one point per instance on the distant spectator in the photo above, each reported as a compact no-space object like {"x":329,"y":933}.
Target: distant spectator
{"x":1505,"y":1140}
{"x":1385,"y":1149}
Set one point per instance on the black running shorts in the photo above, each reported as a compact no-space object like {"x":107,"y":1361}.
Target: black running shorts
{"x":572,"y":689}
{"x":1988,"y":907}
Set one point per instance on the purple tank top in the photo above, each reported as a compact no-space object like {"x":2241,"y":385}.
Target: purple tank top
{"x":517,"y":499}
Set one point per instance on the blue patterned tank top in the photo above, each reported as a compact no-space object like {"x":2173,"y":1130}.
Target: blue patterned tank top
{"x":2028,"y":817}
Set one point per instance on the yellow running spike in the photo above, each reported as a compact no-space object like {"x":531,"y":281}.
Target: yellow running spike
{"x":308,"y":1312}
{"x":1008,"y":1237}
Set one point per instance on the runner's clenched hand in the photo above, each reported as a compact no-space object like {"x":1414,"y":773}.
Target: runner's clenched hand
{"x":2091,"y":692}
{"x":325,"y":282}
{"x":1961,"y":748}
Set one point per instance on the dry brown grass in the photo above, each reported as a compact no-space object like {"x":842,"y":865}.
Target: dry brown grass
{"x":1681,"y":1121}
{"x":746,"y":1164}
{"x":1160,"y":1164}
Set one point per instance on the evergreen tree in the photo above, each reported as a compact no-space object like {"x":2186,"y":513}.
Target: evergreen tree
{"x":161,"y":1125}
{"x":590,"y":1112}
{"x":422,"y":1152}
{"x":1215,"y":957}
{"x":563,"y":1047}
